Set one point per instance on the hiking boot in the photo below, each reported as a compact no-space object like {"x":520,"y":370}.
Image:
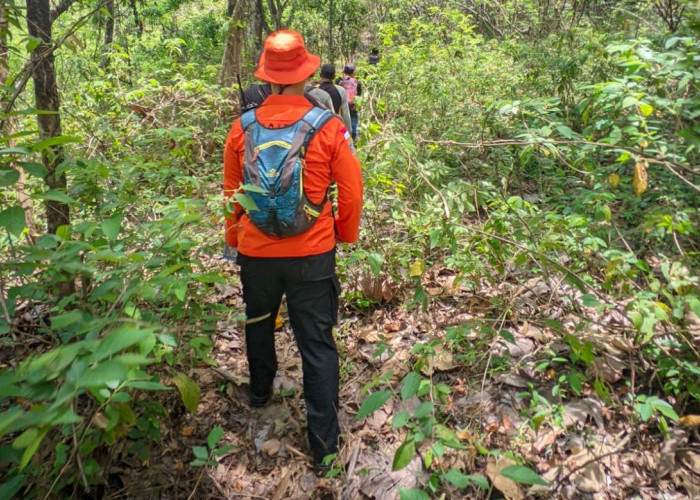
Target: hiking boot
{"x":259,"y":401}
{"x":321,"y":470}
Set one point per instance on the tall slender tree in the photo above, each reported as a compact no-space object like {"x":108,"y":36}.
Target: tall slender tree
{"x":46,"y":95}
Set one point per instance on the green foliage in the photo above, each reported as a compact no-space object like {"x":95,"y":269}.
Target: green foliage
{"x":206,"y":456}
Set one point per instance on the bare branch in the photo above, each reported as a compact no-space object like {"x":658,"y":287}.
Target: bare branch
{"x":61,"y":8}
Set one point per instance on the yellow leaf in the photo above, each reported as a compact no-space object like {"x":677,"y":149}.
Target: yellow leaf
{"x":614,"y":180}
{"x":639,"y":181}
{"x":690,"y":420}
{"x":416,"y":269}
{"x":646,"y":109}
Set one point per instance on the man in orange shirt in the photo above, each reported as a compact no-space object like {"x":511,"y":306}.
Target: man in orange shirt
{"x":300,"y":266}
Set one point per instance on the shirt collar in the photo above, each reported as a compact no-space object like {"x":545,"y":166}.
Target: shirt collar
{"x":287,"y":100}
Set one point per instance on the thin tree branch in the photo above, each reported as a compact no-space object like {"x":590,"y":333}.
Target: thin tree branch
{"x":61,"y":8}
{"x":27,"y":69}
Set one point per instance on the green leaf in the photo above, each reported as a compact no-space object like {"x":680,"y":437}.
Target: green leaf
{"x":646,"y":109}
{"x":214,"y":436}
{"x":119,"y":340}
{"x":523,"y":475}
{"x":424,"y":409}
{"x":372,"y":403}
{"x":13,"y":219}
{"x":510,"y":338}
{"x":375,"y":263}
{"x":53,"y":141}
{"x":66,"y":319}
{"x":8,"y":176}
{"x":413,"y":495}
{"x":245,"y":201}
{"x":147,"y":386}
{"x":457,"y":478}
{"x":252,"y":188}
{"x":25,"y":439}
{"x":480,"y":481}
{"x":664,"y":408}
{"x":189,"y":391}
{"x":34,"y":168}
{"x":224,"y":449}
{"x":400,"y":419}
{"x":8,"y":417}
{"x":55,"y":195}
{"x":10,"y":488}
{"x":200,"y":452}
{"x":565,"y":131}
{"x":108,"y":374}
{"x":31,"y":449}
{"x":404,"y":454}
{"x":589,"y":300}
{"x":32,"y":43}
{"x":410,"y":385}
{"x":112,"y":226}
{"x":15,"y":151}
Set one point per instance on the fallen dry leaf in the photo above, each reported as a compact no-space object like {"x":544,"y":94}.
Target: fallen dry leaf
{"x":690,"y":420}
{"x":442,"y":361}
{"x":392,"y":326}
{"x":187,"y":431}
{"x":271,"y":447}
{"x":667,"y":458}
{"x":510,"y":489}
{"x":691,"y":459}
{"x":609,"y":368}
{"x":381,"y":289}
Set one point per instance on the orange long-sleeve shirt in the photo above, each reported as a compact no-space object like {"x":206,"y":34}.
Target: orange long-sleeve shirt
{"x":328,"y":158}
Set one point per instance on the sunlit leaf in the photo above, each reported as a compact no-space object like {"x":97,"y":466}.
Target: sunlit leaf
{"x":639,"y":180}
{"x":646,"y":109}
{"x":189,"y":391}
{"x":416,"y":269}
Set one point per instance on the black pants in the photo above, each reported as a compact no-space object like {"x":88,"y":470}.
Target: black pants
{"x":312,"y":290}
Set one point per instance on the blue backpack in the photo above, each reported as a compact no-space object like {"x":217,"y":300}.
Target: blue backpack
{"x":274,"y":162}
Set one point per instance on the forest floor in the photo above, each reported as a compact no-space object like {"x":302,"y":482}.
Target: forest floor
{"x":500,"y":405}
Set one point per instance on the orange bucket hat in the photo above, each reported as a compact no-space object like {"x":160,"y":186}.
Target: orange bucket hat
{"x":284,"y":60}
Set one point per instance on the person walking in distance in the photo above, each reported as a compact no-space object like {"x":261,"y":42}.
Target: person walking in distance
{"x":337,"y":93}
{"x":285,"y":244}
{"x":353,"y":88}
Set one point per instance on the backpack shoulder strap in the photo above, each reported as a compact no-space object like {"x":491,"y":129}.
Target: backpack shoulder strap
{"x":316,"y":118}
{"x":247,"y":119}
{"x":311,"y":122}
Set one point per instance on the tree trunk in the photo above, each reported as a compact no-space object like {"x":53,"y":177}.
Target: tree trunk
{"x":109,"y":34}
{"x":47,"y":99}
{"x":231,"y":63}
{"x":137,"y":20}
{"x":9,"y":129}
